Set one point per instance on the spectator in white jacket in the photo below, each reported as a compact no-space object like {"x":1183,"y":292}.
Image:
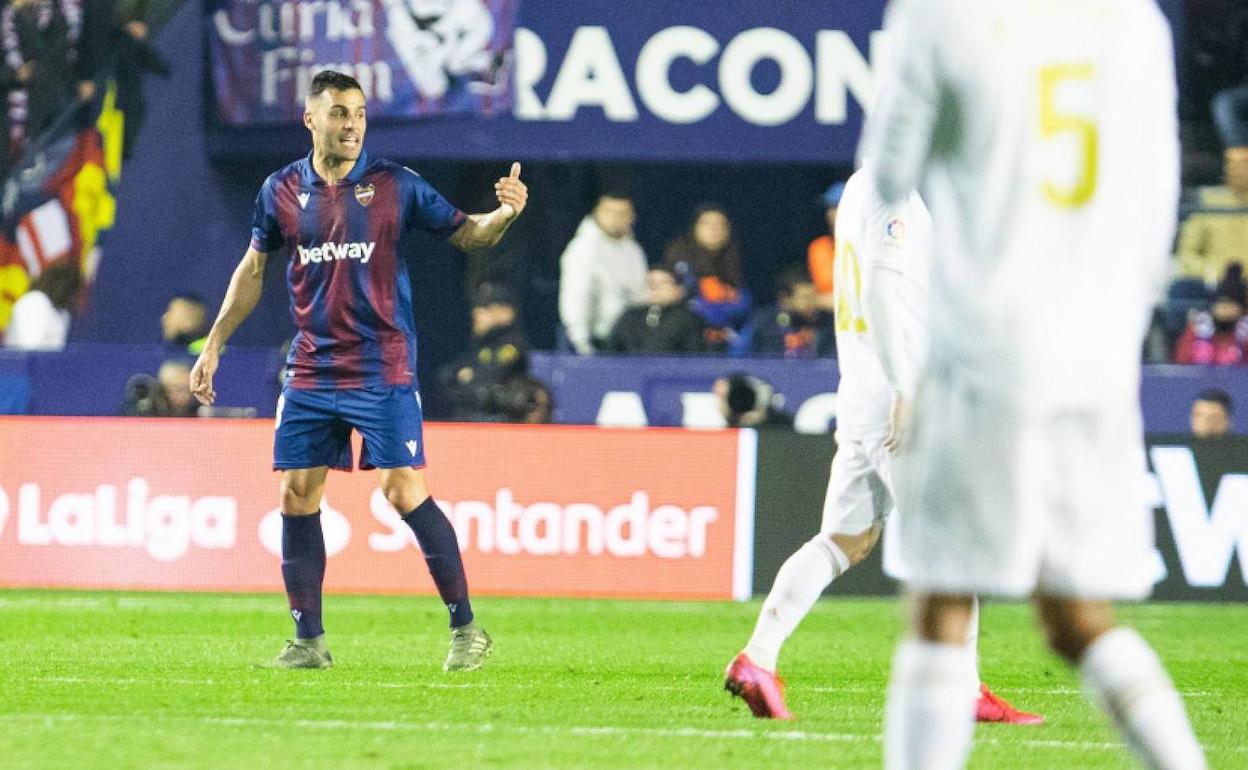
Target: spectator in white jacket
{"x":40,"y":319}
{"x":603,"y":271}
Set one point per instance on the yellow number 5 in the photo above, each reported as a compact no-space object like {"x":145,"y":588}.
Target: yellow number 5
{"x":1053,"y":122}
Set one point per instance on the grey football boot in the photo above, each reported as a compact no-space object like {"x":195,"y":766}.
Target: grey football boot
{"x":303,"y":653}
{"x":470,"y":646}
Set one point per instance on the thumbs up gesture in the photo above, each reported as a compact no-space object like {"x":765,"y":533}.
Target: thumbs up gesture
{"x":512,"y":193}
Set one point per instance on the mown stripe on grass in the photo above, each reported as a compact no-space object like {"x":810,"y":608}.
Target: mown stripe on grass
{"x":51,"y":720}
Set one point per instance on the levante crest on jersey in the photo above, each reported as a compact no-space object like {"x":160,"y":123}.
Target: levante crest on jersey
{"x":364,"y":193}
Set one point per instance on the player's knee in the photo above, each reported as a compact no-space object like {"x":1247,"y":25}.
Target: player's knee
{"x":402,"y":496}
{"x":1071,"y":627}
{"x":300,"y":497}
{"x":857,"y":547}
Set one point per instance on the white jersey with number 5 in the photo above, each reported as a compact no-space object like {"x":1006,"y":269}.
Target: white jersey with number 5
{"x":1043,"y":136}
{"x":874,"y":235}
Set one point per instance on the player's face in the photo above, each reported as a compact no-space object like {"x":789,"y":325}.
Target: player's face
{"x":337,"y":121}
{"x":1209,"y":420}
{"x":712,"y":230}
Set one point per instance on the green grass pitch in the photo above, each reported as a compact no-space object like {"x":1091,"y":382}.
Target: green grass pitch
{"x":126,"y":680}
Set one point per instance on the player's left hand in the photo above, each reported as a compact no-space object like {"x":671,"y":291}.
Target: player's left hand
{"x":898,"y":425}
{"x":512,"y":194}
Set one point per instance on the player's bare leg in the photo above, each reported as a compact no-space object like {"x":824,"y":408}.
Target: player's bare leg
{"x":930,"y":716}
{"x":407,"y":490}
{"x":990,"y":707}
{"x":1123,"y":675}
{"x":751,"y":675}
{"x":303,"y":567}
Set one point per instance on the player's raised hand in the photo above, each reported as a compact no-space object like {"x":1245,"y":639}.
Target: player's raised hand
{"x":201,"y":377}
{"x":512,"y":193}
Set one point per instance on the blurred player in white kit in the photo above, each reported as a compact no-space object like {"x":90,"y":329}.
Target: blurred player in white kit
{"x":1043,"y":135}
{"x":883,"y":258}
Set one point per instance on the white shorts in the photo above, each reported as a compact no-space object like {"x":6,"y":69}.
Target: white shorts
{"x":1008,"y":503}
{"x":860,"y":495}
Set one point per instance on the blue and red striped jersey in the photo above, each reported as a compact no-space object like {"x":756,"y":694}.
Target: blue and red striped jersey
{"x":350,"y":294}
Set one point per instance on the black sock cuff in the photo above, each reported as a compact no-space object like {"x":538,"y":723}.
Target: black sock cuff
{"x":426,"y":508}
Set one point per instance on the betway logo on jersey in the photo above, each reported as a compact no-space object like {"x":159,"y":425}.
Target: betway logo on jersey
{"x":331,"y":252}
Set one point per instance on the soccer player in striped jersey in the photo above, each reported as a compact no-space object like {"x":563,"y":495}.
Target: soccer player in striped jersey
{"x":336,"y":217}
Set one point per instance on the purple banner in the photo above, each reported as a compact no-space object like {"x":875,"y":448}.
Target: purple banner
{"x":413,"y":58}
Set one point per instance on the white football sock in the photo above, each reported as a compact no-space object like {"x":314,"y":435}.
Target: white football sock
{"x":972,"y":646}
{"x":798,"y":586}
{"x":930,"y":716}
{"x":1125,"y":678}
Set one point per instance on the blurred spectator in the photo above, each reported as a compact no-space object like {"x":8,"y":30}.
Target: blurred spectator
{"x":1215,"y":59}
{"x":1216,"y":235}
{"x":821,"y":254}
{"x":174,"y":377}
{"x":184,"y":321}
{"x":708,"y":250}
{"x":749,"y":402}
{"x":131,"y":58}
{"x":40,"y":317}
{"x":796,"y":326}
{"x":664,"y":323}
{"x":1212,"y":412}
{"x":1219,"y":336}
{"x":707,"y":260}
{"x":603,"y":272}
{"x":487,"y":382}
{"x":39,"y":38}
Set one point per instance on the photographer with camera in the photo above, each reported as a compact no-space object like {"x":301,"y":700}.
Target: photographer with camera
{"x":168,"y":394}
{"x":750,"y":402}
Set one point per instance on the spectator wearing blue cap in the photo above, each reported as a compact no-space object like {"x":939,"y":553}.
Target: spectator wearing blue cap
{"x":821,"y":254}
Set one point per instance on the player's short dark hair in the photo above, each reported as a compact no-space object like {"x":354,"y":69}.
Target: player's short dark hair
{"x":1217,"y":396}
{"x":327,"y":79}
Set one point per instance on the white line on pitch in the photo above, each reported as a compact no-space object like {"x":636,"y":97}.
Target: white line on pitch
{"x":583,"y":730}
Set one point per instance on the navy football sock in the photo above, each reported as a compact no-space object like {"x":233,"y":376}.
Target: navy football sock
{"x":303,"y":569}
{"x":437,"y":539}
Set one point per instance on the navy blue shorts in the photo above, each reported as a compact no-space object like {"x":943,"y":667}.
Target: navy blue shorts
{"x":314,"y":428}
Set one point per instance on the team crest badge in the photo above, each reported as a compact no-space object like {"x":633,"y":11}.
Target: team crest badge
{"x":364,"y":193}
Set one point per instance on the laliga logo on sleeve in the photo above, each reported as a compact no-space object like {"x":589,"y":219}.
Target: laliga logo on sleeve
{"x":895,"y":232}
{"x":335,"y":526}
{"x":364,"y":193}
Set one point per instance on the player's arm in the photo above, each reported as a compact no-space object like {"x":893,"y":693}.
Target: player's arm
{"x":884,"y":308}
{"x":241,"y":297}
{"x":1162,"y":140}
{"x":898,"y":135}
{"x":484,"y":230}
